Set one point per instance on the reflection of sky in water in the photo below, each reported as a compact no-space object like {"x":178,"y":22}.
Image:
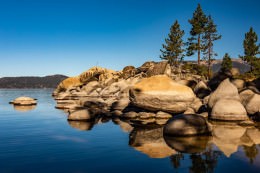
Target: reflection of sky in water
{"x":45,"y":141}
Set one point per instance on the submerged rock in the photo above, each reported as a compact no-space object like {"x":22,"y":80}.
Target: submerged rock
{"x":24,"y":101}
{"x":161,"y":93}
{"x":187,"y":125}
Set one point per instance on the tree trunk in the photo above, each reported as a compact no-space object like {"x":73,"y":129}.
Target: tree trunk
{"x":199,"y":49}
{"x":209,"y":62}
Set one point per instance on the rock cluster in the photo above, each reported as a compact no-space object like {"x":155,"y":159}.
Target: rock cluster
{"x":153,"y":93}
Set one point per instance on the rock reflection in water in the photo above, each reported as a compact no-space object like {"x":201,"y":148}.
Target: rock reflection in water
{"x":229,"y":136}
{"x":126,"y":127}
{"x":149,"y":140}
{"x":192,"y":144}
{"x":24,"y":108}
{"x":83,"y":125}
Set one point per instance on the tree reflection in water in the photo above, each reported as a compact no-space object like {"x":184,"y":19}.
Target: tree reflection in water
{"x":204,"y":162}
{"x":251,"y":152}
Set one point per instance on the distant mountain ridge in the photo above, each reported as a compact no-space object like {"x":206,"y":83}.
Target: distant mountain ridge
{"x":31,"y":81}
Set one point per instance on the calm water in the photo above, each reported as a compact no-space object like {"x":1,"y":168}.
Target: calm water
{"x":42,"y":140}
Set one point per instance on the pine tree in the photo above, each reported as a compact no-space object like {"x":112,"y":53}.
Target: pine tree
{"x":173,"y":47}
{"x":251,"y":49}
{"x":209,"y":37}
{"x":198,"y":22}
{"x":226,"y":63}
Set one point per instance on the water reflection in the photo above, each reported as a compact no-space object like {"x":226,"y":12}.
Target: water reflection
{"x":24,"y":108}
{"x":193,"y":144}
{"x":229,"y":136}
{"x":82,"y":125}
{"x":149,"y":140}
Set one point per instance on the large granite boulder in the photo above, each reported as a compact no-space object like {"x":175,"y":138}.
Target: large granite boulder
{"x":24,"y":101}
{"x":253,"y":105}
{"x":201,"y":90}
{"x":228,"y":110}
{"x":161,"y":93}
{"x":68,"y":83}
{"x":187,"y":125}
{"x":226,"y":90}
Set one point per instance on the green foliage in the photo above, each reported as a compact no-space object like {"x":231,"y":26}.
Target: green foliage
{"x":173,"y":47}
{"x":226,"y":63}
{"x":198,"y":23}
{"x":197,"y":69}
{"x":251,"y":49}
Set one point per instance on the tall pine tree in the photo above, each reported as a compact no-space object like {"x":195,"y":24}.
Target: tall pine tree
{"x":226,"y":64}
{"x":210,"y":35}
{"x":251,"y":49}
{"x":173,"y":48}
{"x":198,"y":23}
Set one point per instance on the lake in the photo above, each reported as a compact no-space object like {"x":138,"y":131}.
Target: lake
{"x":40,"y":139}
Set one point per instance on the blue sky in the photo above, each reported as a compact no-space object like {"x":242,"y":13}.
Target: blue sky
{"x":44,"y":37}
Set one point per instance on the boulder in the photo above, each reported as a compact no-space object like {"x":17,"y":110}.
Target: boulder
{"x":161,"y":93}
{"x":228,"y":110}
{"x":80,"y":115}
{"x":120,"y":104}
{"x":201,"y":90}
{"x":128,"y":71}
{"x":239,"y":83}
{"x":235,"y":71}
{"x":114,"y":89}
{"x":24,"y":101}
{"x":187,"y":125}
{"x":68,"y":83}
{"x":253,"y":105}
{"x":90,"y":87}
{"x":163,"y":115}
{"x":226,"y":90}
{"x":245,"y":96}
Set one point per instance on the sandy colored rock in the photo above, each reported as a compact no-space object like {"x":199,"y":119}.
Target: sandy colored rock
{"x":160,"y":93}
{"x":253,"y":105}
{"x":163,"y":115}
{"x":228,"y":110}
{"x":239,"y":83}
{"x":68,"y":83}
{"x":245,"y":96}
{"x":226,"y":90}
{"x":24,"y":101}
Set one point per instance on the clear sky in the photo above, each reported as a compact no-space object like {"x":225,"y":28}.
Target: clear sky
{"x":44,"y":37}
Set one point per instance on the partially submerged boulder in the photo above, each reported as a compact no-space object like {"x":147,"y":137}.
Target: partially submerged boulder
{"x":253,"y":105}
{"x":161,"y":93}
{"x":80,"y":115}
{"x":187,"y":125}
{"x":24,"y":101}
{"x":228,"y":110}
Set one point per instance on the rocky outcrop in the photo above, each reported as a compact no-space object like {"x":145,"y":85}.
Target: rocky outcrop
{"x":160,"y":93}
{"x":24,"y":101}
{"x":187,"y":125}
{"x":228,"y":110}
